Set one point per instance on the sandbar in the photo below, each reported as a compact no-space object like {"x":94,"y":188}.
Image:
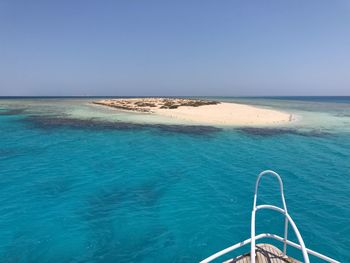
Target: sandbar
{"x":204,"y":112}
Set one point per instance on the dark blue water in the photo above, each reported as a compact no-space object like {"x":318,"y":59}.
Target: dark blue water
{"x":325,"y":99}
{"x":96,"y":193}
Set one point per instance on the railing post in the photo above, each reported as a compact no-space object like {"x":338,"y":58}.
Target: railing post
{"x":285,"y":236}
{"x":252,"y":238}
{"x":252,"y":228}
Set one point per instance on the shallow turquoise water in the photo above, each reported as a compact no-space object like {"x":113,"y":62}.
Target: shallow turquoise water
{"x":95,"y":193}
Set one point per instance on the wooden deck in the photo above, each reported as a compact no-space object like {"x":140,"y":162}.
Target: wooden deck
{"x":265,"y":253}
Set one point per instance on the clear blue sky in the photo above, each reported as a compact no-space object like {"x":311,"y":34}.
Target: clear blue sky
{"x":130,"y":47}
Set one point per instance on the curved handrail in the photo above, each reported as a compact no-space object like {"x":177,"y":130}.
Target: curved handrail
{"x":296,"y":230}
{"x":288,"y":219}
{"x":284,"y":211}
{"x":270,"y":172}
{"x":266,"y":235}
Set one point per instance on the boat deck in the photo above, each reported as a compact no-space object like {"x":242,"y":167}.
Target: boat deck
{"x":265,"y":253}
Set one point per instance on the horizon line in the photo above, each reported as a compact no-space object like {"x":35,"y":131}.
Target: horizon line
{"x":166,"y":96}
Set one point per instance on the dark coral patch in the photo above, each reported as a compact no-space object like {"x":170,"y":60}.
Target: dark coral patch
{"x":11,"y":112}
{"x":51,"y":122}
{"x":268,"y":132}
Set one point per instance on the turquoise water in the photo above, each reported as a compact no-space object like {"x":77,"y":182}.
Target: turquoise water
{"x":89,"y":191}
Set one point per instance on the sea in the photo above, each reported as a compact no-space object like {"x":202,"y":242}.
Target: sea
{"x":85,"y":183}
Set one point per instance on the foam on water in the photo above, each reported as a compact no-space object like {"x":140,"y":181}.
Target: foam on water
{"x":85,"y":190}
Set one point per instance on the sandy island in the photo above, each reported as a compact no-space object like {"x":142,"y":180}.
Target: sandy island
{"x":201,"y":111}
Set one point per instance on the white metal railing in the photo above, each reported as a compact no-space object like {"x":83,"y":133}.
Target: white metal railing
{"x":288,"y":220}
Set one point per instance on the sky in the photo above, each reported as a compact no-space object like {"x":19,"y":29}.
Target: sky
{"x":173,"y":48}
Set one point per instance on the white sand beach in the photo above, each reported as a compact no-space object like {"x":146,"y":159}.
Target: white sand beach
{"x":201,"y":111}
{"x":227,"y":114}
